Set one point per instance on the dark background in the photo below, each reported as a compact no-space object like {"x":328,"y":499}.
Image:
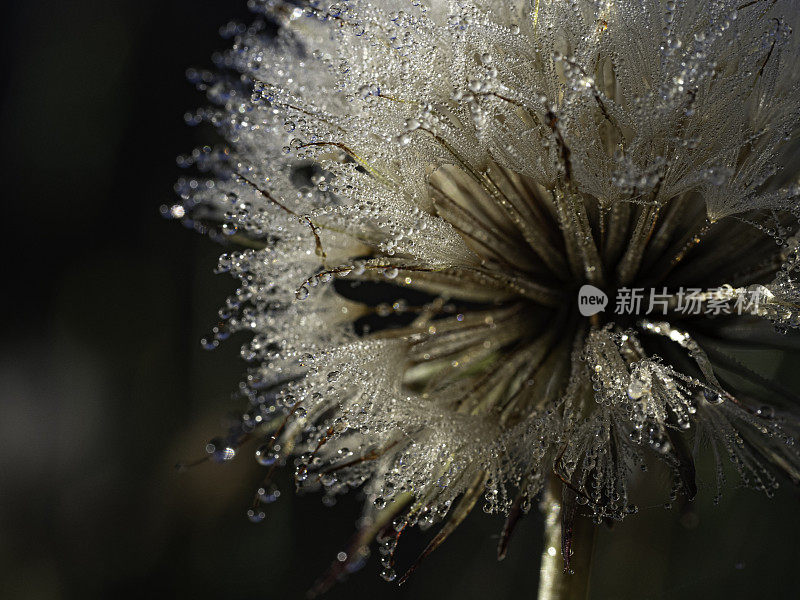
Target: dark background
{"x":104,"y":385}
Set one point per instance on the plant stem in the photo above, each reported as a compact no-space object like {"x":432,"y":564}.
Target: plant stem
{"x":554,"y":582}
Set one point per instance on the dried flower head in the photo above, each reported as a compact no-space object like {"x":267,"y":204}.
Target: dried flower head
{"x":420,"y":194}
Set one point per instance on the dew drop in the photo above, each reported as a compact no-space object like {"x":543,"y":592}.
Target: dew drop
{"x":255,"y":515}
{"x":766,"y":412}
{"x":266,"y":456}
{"x":220,"y":451}
{"x":268,"y":493}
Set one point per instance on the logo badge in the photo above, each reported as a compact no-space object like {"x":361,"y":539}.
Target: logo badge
{"x":591,"y":300}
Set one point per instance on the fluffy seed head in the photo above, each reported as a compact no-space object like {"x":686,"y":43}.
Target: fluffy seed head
{"x":417,"y":196}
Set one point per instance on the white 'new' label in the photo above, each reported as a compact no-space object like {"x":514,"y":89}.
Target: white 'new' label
{"x":591,"y":300}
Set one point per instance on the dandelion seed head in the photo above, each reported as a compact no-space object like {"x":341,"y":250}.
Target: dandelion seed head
{"x":416,"y":197}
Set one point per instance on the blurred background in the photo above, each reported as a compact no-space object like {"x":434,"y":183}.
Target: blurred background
{"x":104,"y":386}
